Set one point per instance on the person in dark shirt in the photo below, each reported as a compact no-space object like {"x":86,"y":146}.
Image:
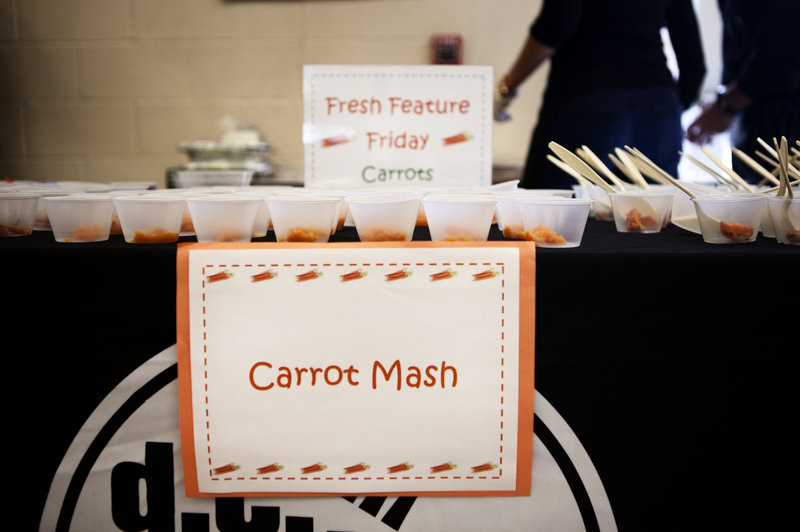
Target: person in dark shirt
{"x":760,"y":92}
{"x":609,"y":83}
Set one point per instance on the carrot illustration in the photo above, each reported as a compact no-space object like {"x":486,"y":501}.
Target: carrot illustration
{"x":405,"y":466}
{"x":488,"y":466}
{"x":334,"y":140}
{"x":272,"y":468}
{"x":312,"y":274}
{"x":356,"y":468}
{"x":399,"y":274}
{"x":455,"y":139}
{"x":443,"y":467}
{"x":352,"y":276}
{"x":314,"y":468}
{"x":488,"y":274}
{"x":444,"y":274}
{"x":219,"y":276}
{"x":263,"y":276}
{"x":227,"y":468}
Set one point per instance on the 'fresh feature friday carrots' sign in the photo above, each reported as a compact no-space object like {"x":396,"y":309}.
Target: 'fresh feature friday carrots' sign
{"x":373,"y":126}
{"x":360,"y":368}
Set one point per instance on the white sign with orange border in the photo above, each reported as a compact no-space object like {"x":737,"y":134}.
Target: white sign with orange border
{"x":388,"y":368}
{"x":381,"y":125}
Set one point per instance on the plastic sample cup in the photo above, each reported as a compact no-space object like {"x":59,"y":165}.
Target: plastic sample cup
{"x":459,"y":217}
{"x":80,"y":217}
{"x":554,"y":222}
{"x":785,"y":214}
{"x":641,"y":211}
{"x":384,"y":216}
{"x":150,"y":219}
{"x":17,"y":213}
{"x":730,"y":219}
{"x":304,"y":217}
{"x":227,"y":217}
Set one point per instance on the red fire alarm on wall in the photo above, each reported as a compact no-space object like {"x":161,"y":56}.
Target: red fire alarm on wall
{"x":446,"y":49}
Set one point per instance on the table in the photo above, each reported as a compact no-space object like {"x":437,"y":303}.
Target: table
{"x":669,"y":359}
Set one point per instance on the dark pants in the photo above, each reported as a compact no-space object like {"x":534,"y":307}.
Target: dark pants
{"x":647,"y":119}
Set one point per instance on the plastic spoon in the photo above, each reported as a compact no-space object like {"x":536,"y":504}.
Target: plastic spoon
{"x":636,"y":173}
{"x":736,"y":177}
{"x":760,"y":170}
{"x":716,"y":175}
{"x":582,"y":181}
{"x":589,"y":156}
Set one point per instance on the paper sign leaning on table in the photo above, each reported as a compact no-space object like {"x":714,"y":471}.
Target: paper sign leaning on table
{"x":422,"y":126}
{"x":363,"y":368}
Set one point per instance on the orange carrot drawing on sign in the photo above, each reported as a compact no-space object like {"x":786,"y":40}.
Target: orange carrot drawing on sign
{"x":356,"y":468}
{"x":219,"y":276}
{"x":399,"y":468}
{"x":488,"y":466}
{"x":352,"y":276}
{"x":456,"y":139}
{"x":487,"y":274}
{"x":444,"y":274}
{"x":263,"y":276}
{"x":399,"y":274}
{"x":227,"y":468}
{"x":314,"y":468}
{"x":447,"y":466}
{"x":307,"y":276}
{"x":272,"y":468}
{"x":334,"y":140}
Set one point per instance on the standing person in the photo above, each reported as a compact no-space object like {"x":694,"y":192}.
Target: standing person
{"x":760,"y":91}
{"x":609,"y":83}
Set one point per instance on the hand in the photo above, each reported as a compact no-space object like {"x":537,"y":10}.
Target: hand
{"x":502,"y":99}
{"x":712,"y":120}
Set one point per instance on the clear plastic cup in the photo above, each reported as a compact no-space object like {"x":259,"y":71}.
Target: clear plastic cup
{"x":641,"y":211}
{"x":508,"y":216}
{"x":459,"y":217}
{"x":384,"y":216}
{"x":17,"y":212}
{"x":149,"y":219}
{"x":227,"y":217}
{"x":785,"y":214}
{"x":730,"y":219}
{"x":83,"y":217}
{"x":304,"y":217}
{"x":554,"y":222}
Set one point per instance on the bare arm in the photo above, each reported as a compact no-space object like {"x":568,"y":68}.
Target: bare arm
{"x":530,"y":57}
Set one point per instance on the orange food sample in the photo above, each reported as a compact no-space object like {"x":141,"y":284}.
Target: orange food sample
{"x":15,"y":230}
{"x":380,"y":234}
{"x":88,"y":233}
{"x":300,"y":234}
{"x":793,"y":236}
{"x":422,"y":220}
{"x":736,"y":231}
{"x":187,"y":226}
{"x":156,"y":236}
{"x":514,"y":231}
{"x":542,"y":234}
{"x":634,"y":221}
{"x":116,"y":227}
{"x":227,"y":235}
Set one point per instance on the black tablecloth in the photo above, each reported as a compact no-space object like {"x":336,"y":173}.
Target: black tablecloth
{"x":671,"y":360}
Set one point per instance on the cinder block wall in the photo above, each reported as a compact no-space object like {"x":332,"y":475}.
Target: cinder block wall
{"x":105,"y":90}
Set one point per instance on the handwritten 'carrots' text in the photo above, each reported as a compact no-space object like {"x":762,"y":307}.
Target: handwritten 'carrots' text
{"x":264,"y":376}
